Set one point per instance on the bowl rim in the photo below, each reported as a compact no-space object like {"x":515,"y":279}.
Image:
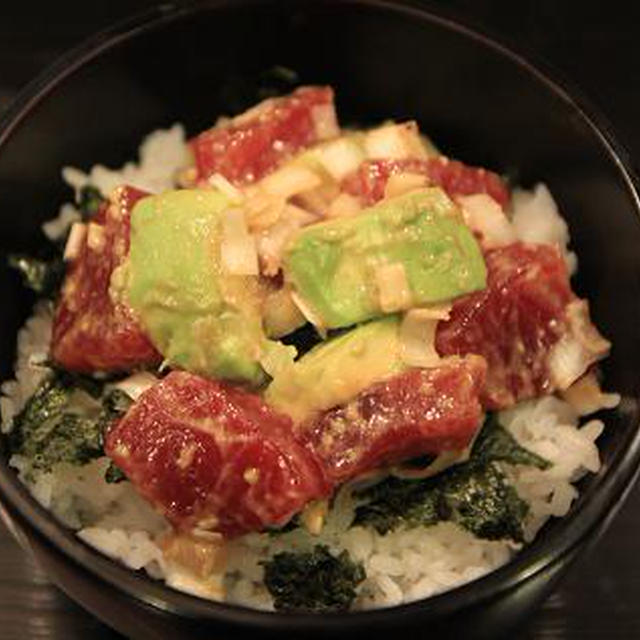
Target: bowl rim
{"x":586,"y":516}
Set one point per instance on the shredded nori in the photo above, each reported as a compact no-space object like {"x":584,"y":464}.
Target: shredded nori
{"x":475,"y":494}
{"x":312,"y":581}
{"x":293,"y":524}
{"x":58,"y":425}
{"x":494,"y":442}
{"x":115,"y":403}
{"x":74,"y":380}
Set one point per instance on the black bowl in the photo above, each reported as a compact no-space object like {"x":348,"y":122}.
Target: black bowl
{"x":478,"y":100}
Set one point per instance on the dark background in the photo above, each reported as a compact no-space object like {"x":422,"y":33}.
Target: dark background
{"x":594,"y":46}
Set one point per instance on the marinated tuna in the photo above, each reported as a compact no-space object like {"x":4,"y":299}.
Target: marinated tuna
{"x":454,"y":177}
{"x":213,"y":457}
{"x":94,"y":328}
{"x":255,"y":142}
{"x":415,"y":413}
{"x":516,"y":323}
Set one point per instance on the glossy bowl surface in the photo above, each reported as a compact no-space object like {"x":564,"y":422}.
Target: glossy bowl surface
{"x":478,"y":100}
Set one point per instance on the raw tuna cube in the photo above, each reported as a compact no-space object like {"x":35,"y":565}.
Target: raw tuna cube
{"x":94,"y":329}
{"x":417,"y":412}
{"x":518,"y":323}
{"x":257,"y":141}
{"x":454,"y":177}
{"x":213,"y":457}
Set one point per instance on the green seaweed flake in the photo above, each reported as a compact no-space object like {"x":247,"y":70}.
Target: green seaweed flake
{"x":313,"y":580}
{"x":475,"y":494}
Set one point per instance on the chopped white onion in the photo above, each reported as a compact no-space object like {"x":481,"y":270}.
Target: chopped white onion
{"x":314,"y":515}
{"x":280,"y":314}
{"x":273,"y":240}
{"x":318,"y":200}
{"x":400,"y":183}
{"x":340,"y":157}
{"x":238,"y":247}
{"x":483,"y":214}
{"x":395,"y":141}
{"x":308,"y":313}
{"x":195,"y":563}
{"x":262,"y":210}
{"x":394,"y":293}
{"x":566,"y":362}
{"x":325,"y":121}
{"x":445,"y":460}
{"x":95,"y":236}
{"x":135,"y":385}
{"x":277,"y":358}
{"x":289,"y":181}
{"x":187,"y":178}
{"x":417,"y":339}
{"x":74,"y":241}
{"x":586,"y":396}
{"x":439,"y":311}
{"x":218,"y":181}
{"x":344,"y":206}
{"x":300,"y":216}
{"x":580,"y":347}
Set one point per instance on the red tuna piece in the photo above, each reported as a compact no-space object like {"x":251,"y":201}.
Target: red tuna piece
{"x":454,"y":177}
{"x":420,"y":411}
{"x":93,"y":330}
{"x":215,"y":457}
{"x":513,"y":323}
{"x":254,"y":143}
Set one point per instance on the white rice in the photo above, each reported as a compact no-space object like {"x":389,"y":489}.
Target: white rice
{"x":32,"y":349}
{"x":162,"y":153}
{"x":404,"y":565}
{"x":536,"y":219}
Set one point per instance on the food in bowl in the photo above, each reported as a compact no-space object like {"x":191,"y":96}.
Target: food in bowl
{"x":287,"y":364}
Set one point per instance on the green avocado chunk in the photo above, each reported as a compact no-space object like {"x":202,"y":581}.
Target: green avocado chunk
{"x":200,"y":318}
{"x":335,"y":371}
{"x":335,"y":266}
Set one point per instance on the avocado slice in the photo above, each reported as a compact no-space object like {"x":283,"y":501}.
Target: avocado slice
{"x":200,"y":318}
{"x":333,"y":266}
{"x":335,"y":371}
